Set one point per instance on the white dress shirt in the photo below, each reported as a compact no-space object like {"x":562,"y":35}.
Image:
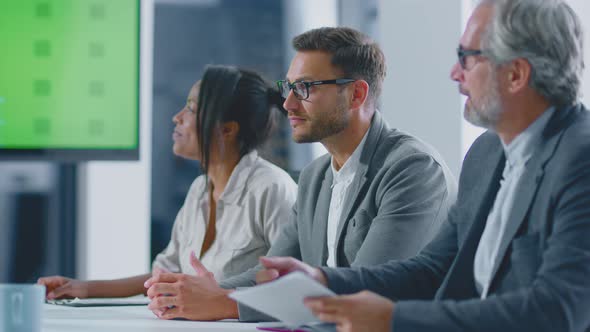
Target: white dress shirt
{"x":518,"y":153}
{"x":340,"y":190}
{"x":250,"y":214}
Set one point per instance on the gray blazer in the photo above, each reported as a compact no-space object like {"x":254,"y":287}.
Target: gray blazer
{"x":543,"y":280}
{"x":399,"y":197}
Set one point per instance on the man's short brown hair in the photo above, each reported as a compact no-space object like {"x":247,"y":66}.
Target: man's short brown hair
{"x":353,"y":52}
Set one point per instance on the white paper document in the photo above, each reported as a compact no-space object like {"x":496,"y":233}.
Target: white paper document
{"x":102,"y":302}
{"x":283,"y":298}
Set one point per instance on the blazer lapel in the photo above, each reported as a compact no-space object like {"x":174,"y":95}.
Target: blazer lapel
{"x":530,"y":181}
{"x":320,"y":220}
{"x":351,"y":201}
{"x":527,"y":188}
{"x":459,"y":282}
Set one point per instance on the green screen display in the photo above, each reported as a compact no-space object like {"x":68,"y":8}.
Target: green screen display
{"x":69,"y":74}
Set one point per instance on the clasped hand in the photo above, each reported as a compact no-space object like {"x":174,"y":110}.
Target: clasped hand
{"x":176,"y":295}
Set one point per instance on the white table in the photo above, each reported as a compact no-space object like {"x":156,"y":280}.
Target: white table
{"x":126,"y":319}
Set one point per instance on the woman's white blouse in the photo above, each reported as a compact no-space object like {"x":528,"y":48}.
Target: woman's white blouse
{"x":250,"y":213}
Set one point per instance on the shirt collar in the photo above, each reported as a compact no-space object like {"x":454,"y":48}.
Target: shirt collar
{"x":521,"y":149}
{"x":349,"y":168}
{"x":238,"y":178}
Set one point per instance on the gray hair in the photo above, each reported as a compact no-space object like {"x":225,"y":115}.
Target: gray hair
{"x":549,"y":35}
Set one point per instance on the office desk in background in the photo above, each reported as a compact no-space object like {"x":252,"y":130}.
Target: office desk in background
{"x":126,"y":319}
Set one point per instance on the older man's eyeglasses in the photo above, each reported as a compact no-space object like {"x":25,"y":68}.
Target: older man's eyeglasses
{"x":462,"y":55}
{"x":301,"y":88}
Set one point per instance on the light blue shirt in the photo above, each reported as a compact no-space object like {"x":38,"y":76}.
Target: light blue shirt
{"x":518,"y":153}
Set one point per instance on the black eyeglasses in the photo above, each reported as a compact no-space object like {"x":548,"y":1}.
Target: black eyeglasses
{"x":301,"y":88}
{"x":462,"y":55}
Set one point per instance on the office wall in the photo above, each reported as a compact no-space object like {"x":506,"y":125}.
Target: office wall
{"x":419,"y":38}
{"x":114,"y":197}
{"x":300,"y":16}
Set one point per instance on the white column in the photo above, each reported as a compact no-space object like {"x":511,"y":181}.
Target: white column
{"x":582,"y":8}
{"x":300,"y":16}
{"x":419,"y":38}
{"x":114,"y":197}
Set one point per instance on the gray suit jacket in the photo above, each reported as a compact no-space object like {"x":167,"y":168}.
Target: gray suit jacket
{"x":400,"y":195}
{"x":543,"y":280}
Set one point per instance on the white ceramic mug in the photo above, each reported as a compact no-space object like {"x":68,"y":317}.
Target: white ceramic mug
{"x":21,"y":307}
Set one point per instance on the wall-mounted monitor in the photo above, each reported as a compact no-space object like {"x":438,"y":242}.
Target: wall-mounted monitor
{"x":69,"y":79}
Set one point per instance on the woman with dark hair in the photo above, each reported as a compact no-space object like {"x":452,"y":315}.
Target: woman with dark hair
{"x":235,"y":210}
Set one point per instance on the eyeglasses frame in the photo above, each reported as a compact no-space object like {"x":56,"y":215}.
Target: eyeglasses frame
{"x":309,"y":84}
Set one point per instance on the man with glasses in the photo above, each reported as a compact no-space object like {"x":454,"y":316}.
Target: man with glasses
{"x":379,"y":194}
{"x":514,"y":253}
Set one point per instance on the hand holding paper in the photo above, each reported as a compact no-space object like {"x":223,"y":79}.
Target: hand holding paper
{"x":360,"y":312}
{"x":275,"y":267}
{"x":283,"y":298}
